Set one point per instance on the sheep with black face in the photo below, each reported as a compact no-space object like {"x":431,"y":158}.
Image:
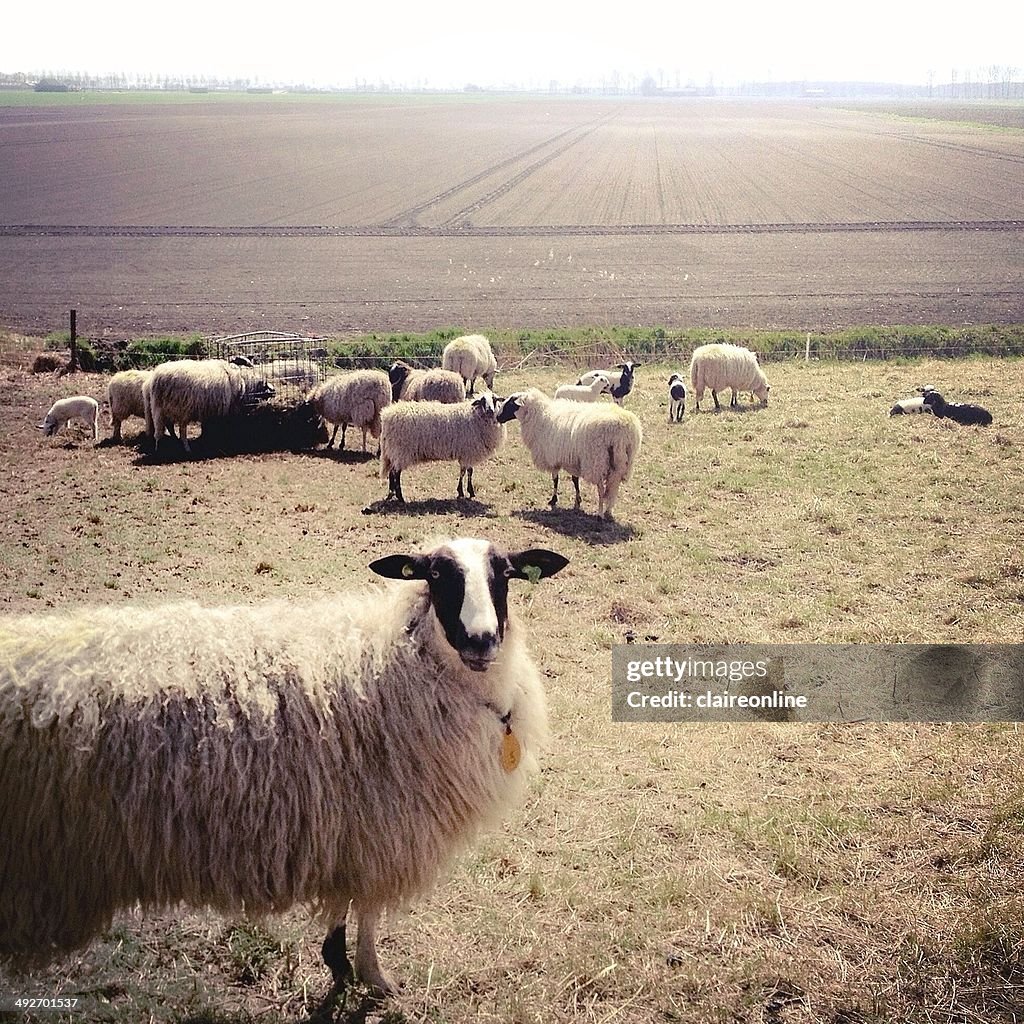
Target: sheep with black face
{"x":379,"y":731}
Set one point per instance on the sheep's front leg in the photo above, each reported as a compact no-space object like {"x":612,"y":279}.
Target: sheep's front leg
{"x":554,"y":492}
{"x":714,"y":395}
{"x":183,"y":433}
{"x":344,"y":427}
{"x":395,"y":486}
{"x":368,"y":969}
{"x":469,"y":482}
{"x":579,"y":500}
{"x":336,"y":957}
{"x":330,"y":444}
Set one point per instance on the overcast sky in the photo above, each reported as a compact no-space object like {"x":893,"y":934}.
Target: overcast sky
{"x":453,"y":43}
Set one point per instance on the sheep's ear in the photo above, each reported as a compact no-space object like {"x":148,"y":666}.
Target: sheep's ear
{"x":401,"y":567}
{"x":536,"y":564}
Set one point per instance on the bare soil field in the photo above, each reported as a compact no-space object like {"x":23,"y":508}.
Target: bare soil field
{"x":412,"y":213}
{"x":771,"y":872}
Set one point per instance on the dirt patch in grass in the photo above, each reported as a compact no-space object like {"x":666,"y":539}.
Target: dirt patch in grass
{"x":725,"y":873}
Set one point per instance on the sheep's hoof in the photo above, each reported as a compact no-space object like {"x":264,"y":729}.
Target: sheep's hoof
{"x":380,"y":984}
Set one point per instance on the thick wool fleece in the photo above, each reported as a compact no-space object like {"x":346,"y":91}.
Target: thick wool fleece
{"x":244,"y":758}
{"x":355,"y":398}
{"x":716,"y":367}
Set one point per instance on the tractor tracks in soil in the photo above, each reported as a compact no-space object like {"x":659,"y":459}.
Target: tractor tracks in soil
{"x":457,"y":227}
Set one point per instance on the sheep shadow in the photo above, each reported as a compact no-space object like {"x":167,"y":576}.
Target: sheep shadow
{"x":581,"y":525}
{"x":741,"y":410}
{"x":468,"y":508}
{"x":345,"y":456}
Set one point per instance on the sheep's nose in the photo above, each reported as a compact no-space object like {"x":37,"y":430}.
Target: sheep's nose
{"x":479,"y":651}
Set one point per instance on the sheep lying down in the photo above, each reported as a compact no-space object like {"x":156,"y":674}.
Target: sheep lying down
{"x":335,"y":752}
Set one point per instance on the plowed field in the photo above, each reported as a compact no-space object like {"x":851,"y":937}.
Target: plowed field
{"x":371,"y":213}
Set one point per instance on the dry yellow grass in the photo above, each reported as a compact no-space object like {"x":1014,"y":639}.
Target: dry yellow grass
{"x":689,"y":873}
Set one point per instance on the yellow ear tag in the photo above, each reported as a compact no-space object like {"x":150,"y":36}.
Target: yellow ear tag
{"x":407,"y":570}
{"x":511,"y":752}
{"x":532,"y":573}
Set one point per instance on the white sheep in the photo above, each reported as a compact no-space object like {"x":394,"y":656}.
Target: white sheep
{"x":333,"y":751}
{"x":78,"y":407}
{"x":598,"y":385}
{"x":596,"y":442}
{"x":470,"y":357}
{"x":434,"y":385}
{"x":125,"y":397}
{"x":719,"y":366}
{"x":416,"y":432}
{"x":676,"y":398}
{"x":621,"y":381}
{"x":355,"y":398}
{"x":910,"y":407}
{"x":188,"y":391}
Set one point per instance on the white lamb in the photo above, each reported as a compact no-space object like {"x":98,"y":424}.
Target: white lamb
{"x":416,"y":432}
{"x":336,"y":751}
{"x":79,"y":407}
{"x":597,"y":442}
{"x":470,"y":357}
{"x":355,"y":398}
{"x":598,"y":385}
{"x":719,"y":366}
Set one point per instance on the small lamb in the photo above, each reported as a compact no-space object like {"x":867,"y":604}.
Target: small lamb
{"x":79,"y":407}
{"x":676,"y":398}
{"x":584,"y":392}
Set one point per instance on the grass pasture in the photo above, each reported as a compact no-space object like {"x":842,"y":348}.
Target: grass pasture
{"x":719,"y":874}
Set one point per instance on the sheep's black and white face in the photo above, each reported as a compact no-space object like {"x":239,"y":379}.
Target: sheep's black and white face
{"x":468,"y":584}
{"x":509,"y":408}
{"x":486,"y":405}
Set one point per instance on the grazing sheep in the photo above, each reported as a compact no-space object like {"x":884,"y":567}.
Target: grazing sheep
{"x":960,"y":412}
{"x":717,"y":367}
{"x":621,"y":382}
{"x":79,"y":407}
{"x":435,"y":385}
{"x":125,"y":397}
{"x":187,"y":391}
{"x":676,"y":398}
{"x":333,"y":751}
{"x":470,"y":357}
{"x":596,"y":442}
{"x":355,"y":398}
{"x":584,"y":392}
{"x":416,"y":432}
{"x":910,"y":407}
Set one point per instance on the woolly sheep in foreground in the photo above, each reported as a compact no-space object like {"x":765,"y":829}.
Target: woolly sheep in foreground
{"x":584,"y":392}
{"x":960,"y":412}
{"x":676,"y":398}
{"x":355,"y":398}
{"x":721,"y":366}
{"x":329,"y":752}
{"x":435,"y":385}
{"x":188,"y":391}
{"x":78,"y":407}
{"x":470,"y":357}
{"x":416,"y":432}
{"x":621,"y":382}
{"x":596,"y":442}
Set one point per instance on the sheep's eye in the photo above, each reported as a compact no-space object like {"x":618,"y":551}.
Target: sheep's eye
{"x":435,"y":574}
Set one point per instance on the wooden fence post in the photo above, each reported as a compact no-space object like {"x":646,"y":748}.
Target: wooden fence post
{"x":74,"y":341}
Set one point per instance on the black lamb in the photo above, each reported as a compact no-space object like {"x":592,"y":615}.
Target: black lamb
{"x":959,"y":412}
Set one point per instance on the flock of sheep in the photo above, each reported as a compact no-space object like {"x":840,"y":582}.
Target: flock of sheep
{"x":431,"y":415}
{"x":336,"y":752}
